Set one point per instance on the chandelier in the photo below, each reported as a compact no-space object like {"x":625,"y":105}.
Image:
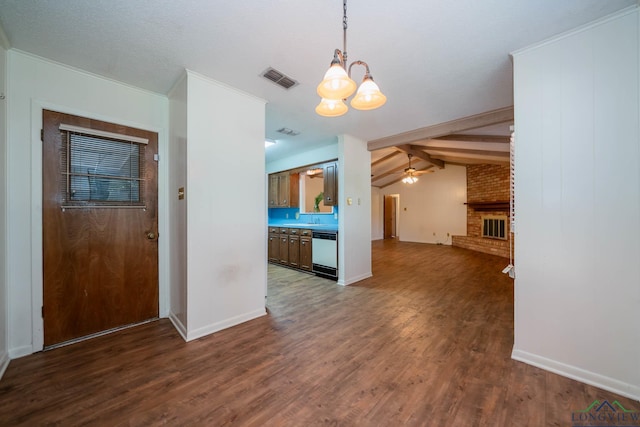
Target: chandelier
{"x":337,"y":85}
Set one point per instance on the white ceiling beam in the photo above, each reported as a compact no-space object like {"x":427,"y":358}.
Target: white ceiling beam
{"x":438,"y":151}
{"x":416,"y":151}
{"x":384,"y":159}
{"x":377,"y":177}
{"x":476,"y":138}
{"x":463,"y":161}
{"x":502,"y":115}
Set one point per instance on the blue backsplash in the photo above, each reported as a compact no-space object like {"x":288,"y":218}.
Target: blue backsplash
{"x":288,"y":215}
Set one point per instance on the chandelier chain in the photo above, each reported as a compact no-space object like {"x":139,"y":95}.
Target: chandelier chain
{"x":344,"y":33}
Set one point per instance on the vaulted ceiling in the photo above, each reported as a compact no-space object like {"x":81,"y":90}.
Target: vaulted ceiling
{"x":481,"y":138}
{"x":436,"y":61}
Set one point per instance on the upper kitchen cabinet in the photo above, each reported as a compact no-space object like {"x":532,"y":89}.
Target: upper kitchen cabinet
{"x":284,"y":190}
{"x":331,"y":184}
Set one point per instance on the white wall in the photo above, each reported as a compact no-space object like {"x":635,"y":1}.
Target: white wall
{"x":226,"y":207}
{"x":354,"y":220}
{"x":577,"y":289}
{"x":33,"y":84}
{"x":4,"y":349}
{"x":430,"y":208}
{"x":317,"y":155}
{"x":177,"y":207}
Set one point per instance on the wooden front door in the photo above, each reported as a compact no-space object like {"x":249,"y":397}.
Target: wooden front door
{"x":100,"y":251}
{"x":389,"y":217}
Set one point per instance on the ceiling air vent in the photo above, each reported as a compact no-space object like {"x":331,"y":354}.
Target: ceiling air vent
{"x":278,"y":78}
{"x":287,"y":131}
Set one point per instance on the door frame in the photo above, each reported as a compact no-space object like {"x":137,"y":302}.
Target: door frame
{"x":396,"y":202}
{"x":37,"y":282}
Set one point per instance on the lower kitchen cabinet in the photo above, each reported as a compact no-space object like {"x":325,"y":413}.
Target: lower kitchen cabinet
{"x":290,"y":247}
{"x":305,"y":253}
{"x":294,"y":251}
{"x":274,"y":248}
{"x":283,"y":255}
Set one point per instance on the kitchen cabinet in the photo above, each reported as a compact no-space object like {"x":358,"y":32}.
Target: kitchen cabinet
{"x":274,"y":200}
{"x":290,"y":247}
{"x":330,"y":184}
{"x":274,"y":244}
{"x":294,"y":251}
{"x":305,"y":250}
{"x":283,"y":254}
{"x":284,"y":190}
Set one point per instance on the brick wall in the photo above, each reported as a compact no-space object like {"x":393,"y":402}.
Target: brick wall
{"x":485,"y":183}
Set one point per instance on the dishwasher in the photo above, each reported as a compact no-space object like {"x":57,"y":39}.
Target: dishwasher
{"x":324,"y":254}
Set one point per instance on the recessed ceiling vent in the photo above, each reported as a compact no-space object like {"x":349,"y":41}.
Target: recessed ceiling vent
{"x":287,"y":131}
{"x":279,"y":78}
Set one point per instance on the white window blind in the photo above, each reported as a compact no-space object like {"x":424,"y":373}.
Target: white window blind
{"x":102,"y":169}
{"x":512,"y":181}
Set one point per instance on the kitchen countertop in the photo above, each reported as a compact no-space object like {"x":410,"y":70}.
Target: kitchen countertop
{"x":311,"y":226}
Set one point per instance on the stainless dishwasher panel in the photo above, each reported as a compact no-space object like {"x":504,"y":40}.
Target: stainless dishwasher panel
{"x":324,"y":253}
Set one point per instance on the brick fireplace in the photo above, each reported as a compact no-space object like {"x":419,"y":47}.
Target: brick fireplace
{"x":487,"y":203}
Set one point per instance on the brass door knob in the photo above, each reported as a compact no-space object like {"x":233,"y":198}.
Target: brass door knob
{"x":151,"y":235}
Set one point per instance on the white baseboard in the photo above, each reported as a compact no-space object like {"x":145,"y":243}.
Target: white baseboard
{"x":355,"y":279}
{"x":224,"y":324}
{"x":4,"y":362}
{"x":606,"y":383}
{"x":25,"y":350}
{"x":182,"y":330}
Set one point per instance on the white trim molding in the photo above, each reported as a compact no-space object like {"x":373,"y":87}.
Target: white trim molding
{"x":224,"y":324}
{"x":578,"y":374}
{"x":4,"y":363}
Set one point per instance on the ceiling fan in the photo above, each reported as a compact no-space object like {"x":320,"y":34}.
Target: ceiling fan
{"x":412,"y":173}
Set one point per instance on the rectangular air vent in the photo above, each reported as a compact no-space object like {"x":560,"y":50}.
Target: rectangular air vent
{"x":279,"y":78}
{"x":287,"y":131}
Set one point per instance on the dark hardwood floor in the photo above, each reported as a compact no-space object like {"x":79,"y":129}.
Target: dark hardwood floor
{"x":426,"y":341}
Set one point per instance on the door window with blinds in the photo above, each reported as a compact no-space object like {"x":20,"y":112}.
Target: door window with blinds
{"x":102,"y":169}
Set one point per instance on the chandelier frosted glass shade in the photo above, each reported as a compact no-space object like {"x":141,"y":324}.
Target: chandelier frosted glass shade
{"x":368,"y":96}
{"x":331,"y":107}
{"x":410,"y":179}
{"x":336,"y":83}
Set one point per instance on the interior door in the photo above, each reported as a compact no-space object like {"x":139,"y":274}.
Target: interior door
{"x":389,"y":217}
{"x":100,"y":257}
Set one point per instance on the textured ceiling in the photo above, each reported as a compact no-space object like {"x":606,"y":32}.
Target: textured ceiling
{"x":435,"y":60}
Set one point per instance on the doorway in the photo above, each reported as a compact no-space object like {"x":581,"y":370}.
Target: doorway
{"x":100,"y":226}
{"x":391,"y":203}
